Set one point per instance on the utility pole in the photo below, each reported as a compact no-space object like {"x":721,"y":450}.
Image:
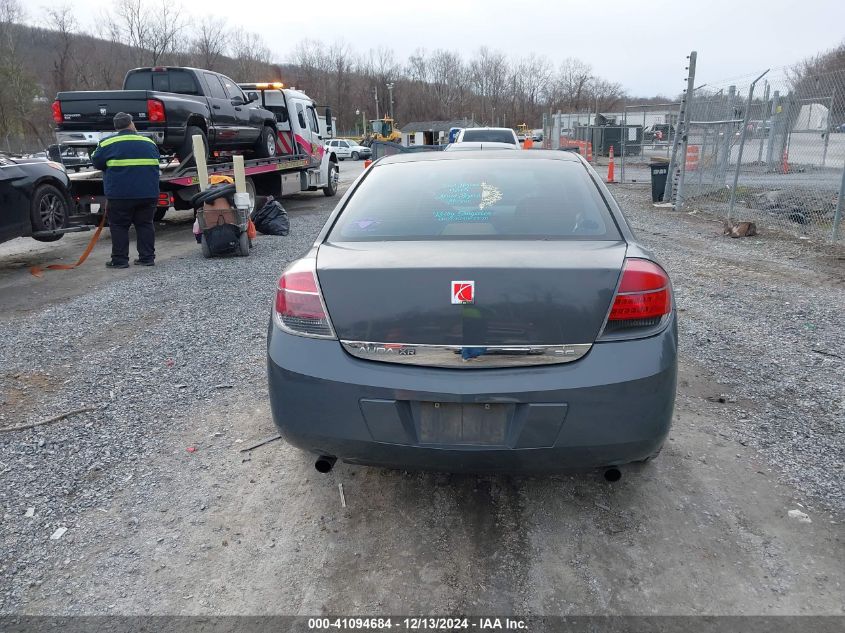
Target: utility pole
{"x":375,"y":95}
{"x":390,"y":90}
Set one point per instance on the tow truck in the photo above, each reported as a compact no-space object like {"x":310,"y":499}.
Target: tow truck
{"x":303,"y":161}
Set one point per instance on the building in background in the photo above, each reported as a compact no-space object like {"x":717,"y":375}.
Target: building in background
{"x":431,"y":132}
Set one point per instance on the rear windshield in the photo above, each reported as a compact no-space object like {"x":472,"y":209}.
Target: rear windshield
{"x":178,"y":81}
{"x":494,"y":198}
{"x":496,"y":136}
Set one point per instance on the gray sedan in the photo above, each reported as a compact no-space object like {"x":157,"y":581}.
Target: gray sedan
{"x":475,"y":311}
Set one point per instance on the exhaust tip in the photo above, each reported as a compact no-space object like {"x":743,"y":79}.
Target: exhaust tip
{"x":325,"y":463}
{"x":612,"y":474}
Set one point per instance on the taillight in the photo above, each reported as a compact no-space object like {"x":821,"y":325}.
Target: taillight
{"x":299,"y":305}
{"x":155,"y":111}
{"x":57,"y":112}
{"x":644,"y":298}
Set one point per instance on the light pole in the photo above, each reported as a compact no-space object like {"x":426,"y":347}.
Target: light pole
{"x":375,"y":95}
{"x":390,"y":91}
{"x":363,"y":116}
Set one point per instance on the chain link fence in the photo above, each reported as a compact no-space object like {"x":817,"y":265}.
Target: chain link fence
{"x":771,"y":152}
{"x":648,"y":132}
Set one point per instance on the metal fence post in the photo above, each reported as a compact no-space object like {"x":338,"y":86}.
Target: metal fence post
{"x":827,"y":130}
{"x":763,"y":116}
{"x":685,"y":138}
{"x":682,"y":110}
{"x":742,"y":143}
{"x":837,"y":216}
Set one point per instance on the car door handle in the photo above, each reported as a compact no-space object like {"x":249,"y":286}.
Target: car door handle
{"x":238,"y":109}
{"x":216,"y":107}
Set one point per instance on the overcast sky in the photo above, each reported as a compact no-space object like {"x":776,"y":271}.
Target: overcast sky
{"x":640,"y":43}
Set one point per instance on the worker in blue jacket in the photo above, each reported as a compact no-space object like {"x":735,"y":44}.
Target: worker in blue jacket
{"x":130,"y":165}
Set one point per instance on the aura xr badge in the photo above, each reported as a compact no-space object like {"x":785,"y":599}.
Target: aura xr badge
{"x":463,"y":292}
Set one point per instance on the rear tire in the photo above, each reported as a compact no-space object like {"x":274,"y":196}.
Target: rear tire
{"x":187,"y":147}
{"x":160,"y":213}
{"x":355,"y":156}
{"x":206,"y":251}
{"x":48,"y":211}
{"x":243,"y":245}
{"x":265,"y":146}
{"x":331,"y":188}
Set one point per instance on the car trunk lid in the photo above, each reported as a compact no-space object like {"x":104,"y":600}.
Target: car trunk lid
{"x":535,"y":300}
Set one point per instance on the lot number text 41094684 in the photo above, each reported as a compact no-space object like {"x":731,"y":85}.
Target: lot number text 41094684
{"x":417,"y":624}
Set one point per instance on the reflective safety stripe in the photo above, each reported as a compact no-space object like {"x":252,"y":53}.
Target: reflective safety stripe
{"x":132,"y":162}
{"x":125,"y":137}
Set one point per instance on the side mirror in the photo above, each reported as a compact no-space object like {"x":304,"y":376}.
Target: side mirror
{"x":252,"y":97}
{"x":329,"y":118}
{"x":237,"y":101}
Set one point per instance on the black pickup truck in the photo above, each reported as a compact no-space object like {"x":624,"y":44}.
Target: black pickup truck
{"x":170,"y":105}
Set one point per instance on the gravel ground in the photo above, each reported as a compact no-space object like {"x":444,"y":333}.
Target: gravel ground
{"x":173,"y":358}
{"x":763,"y":315}
{"x":142,"y":351}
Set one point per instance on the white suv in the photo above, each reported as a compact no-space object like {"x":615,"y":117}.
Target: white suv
{"x":488,"y":135}
{"x":348,"y":149}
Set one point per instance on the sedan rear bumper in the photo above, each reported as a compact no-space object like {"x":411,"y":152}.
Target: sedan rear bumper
{"x":612,"y":407}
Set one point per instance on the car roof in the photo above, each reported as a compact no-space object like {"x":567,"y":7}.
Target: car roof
{"x":489,"y":128}
{"x":534,"y":154}
{"x":468,"y":146}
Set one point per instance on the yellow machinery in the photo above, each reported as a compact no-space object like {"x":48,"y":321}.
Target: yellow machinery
{"x":523,"y":132}
{"x":384,"y":130}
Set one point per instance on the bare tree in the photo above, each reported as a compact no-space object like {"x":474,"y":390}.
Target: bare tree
{"x":210,"y":42}
{"x":251,"y":56}
{"x":19,"y":88}
{"x":165,"y":33}
{"x":571,"y":86}
{"x":151,"y":32}
{"x":60,"y":19}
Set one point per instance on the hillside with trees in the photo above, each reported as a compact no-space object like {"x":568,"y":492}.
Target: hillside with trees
{"x":49,"y":50}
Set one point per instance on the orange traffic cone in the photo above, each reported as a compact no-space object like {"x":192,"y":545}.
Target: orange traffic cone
{"x":610,"y":167}
{"x":367,"y":163}
{"x":784,"y":167}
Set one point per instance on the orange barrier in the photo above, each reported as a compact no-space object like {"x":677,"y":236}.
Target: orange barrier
{"x":367,"y":163}
{"x":693,"y":155}
{"x":610,"y":167}
{"x":784,"y":167}
{"x":585,"y":148}
{"x":528,"y":143}
{"x":37,"y":270}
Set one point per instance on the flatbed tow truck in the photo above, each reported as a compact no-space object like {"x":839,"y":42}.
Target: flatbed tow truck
{"x":303,"y":163}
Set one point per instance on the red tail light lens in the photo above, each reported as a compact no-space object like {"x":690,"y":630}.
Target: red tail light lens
{"x":299,"y":305}
{"x":57,"y":112}
{"x":155,"y":111}
{"x":643,"y":299}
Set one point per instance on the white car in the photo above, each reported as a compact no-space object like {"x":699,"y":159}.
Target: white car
{"x":488,"y":135}
{"x":349,"y":149}
{"x":467,"y":146}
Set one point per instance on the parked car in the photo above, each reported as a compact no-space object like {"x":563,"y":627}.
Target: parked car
{"x":170,"y":105}
{"x":488,"y":134}
{"x":349,"y":149}
{"x":477,"y":311}
{"x":477,"y":145}
{"x":71,"y":157}
{"x":34,"y":198}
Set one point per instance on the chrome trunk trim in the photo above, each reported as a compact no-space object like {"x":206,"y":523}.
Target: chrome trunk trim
{"x":466,"y":356}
